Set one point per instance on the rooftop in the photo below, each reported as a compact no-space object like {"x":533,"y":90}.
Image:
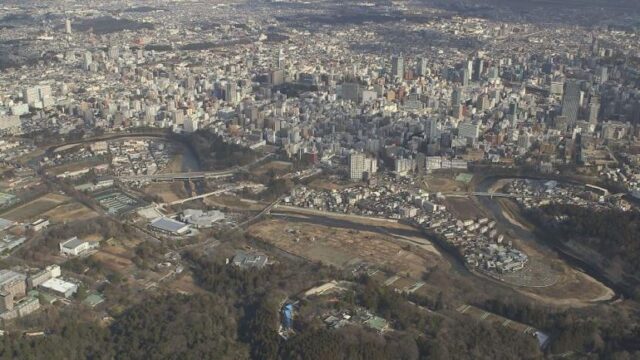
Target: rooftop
{"x":170,"y":225}
{"x":5,"y":224}
{"x":72,"y":243}
{"x":58,"y":285}
{"x":7,"y":276}
{"x":246,"y":260}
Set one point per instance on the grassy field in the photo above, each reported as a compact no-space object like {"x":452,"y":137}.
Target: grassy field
{"x":233,"y":203}
{"x":75,"y":166}
{"x":115,"y":258}
{"x":342,"y":247}
{"x":276,"y":166}
{"x":35,"y":208}
{"x":164,"y":190}
{"x":70,"y":212}
{"x":443,"y":181}
{"x":464,"y":208}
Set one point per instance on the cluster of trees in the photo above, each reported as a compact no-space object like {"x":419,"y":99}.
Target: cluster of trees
{"x":610,"y":233}
{"x":603,"y":331}
{"x":237,"y":319}
{"x":101,"y":225}
{"x":166,"y":327}
{"x":213,"y":153}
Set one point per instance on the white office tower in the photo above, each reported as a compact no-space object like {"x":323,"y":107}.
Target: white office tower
{"x":359,"y":165}
{"x":67,"y":26}
{"x":421,"y":67}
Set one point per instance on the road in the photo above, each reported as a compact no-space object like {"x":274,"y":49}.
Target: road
{"x":479,"y":193}
{"x":192,"y":175}
{"x":217,"y":192}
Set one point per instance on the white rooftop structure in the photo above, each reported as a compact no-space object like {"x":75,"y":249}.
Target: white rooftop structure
{"x":74,"y":246}
{"x":60,"y":287}
{"x":169,"y":225}
{"x":202,"y":219}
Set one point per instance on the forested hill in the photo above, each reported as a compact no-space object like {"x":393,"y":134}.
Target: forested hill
{"x":611,"y":235}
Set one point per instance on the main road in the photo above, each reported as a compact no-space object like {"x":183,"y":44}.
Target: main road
{"x":192,"y":175}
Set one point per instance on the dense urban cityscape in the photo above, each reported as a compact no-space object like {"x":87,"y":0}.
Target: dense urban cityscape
{"x":319,"y":180}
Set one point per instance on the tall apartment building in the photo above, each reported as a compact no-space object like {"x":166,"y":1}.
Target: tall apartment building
{"x":360,"y":164}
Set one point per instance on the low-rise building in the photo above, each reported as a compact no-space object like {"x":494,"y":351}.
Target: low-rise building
{"x":59,"y":287}
{"x":169,"y":226}
{"x":74,"y":246}
{"x":248,"y":260}
{"x":39,"y":224}
{"x":202,"y":219}
{"x":50,"y":272}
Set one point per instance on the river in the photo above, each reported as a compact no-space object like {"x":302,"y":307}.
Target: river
{"x":540,"y":242}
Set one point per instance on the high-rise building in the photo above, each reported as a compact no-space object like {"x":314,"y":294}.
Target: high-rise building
{"x":191,"y":124}
{"x":483,"y":102}
{"x":351,"y":91}
{"x":397,"y":67}
{"x":87,"y":60}
{"x":466,"y":76}
{"x":603,"y":74}
{"x":231,"y":92}
{"x":277,"y":77}
{"x":431,"y":131}
{"x":524,"y":141}
{"x":421,"y":67}
{"x":469,"y":130}
{"x":457,"y":96}
{"x":403,"y":166}
{"x":469,"y":69}
{"x":478,"y":68}
{"x":513,"y":113}
{"x":571,"y":101}
{"x":67,"y":26}
{"x":556,"y":88}
{"x":31,"y":95}
{"x":114,"y":52}
{"x":38,"y":96}
{"x":360,"y":164}
{"x":594,"y":109}
{"x":280,"y":60}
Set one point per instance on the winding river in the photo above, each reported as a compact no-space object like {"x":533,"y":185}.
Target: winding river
{"x":493,"y":207}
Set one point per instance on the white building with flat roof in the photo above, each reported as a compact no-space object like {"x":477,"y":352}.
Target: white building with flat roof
{"x":169,"y":226}
{"x":74,"y":247}
{"x":59,"y":287}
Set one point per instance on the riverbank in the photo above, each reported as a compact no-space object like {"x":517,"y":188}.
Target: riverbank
{"x":579,"y":283}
